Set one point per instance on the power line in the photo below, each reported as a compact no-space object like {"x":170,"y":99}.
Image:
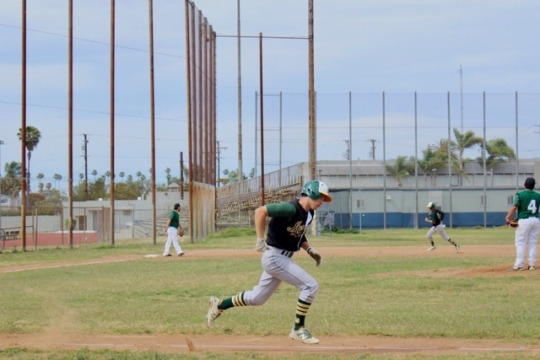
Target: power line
{"x":93,"y":41}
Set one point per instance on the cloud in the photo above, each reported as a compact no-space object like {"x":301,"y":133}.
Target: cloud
{"x":399,"y":47}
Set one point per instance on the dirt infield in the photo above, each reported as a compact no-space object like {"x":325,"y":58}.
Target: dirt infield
{"x":186,"y":343}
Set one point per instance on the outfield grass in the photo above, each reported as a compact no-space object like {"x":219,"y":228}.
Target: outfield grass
{"x":360,"y":295}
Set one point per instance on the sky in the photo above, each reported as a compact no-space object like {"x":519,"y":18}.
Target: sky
{"x":465,"y":61}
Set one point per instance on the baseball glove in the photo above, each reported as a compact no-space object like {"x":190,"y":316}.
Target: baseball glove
{"x":181,"y":232}
{"x":513,"y":223}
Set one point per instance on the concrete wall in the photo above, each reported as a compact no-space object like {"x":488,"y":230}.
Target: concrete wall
{"x":375,"y":208}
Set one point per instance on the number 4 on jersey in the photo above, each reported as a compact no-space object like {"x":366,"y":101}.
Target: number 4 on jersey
{"x":532,"y":207}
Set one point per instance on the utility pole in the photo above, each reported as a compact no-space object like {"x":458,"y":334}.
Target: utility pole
{"x":461,"y":94}
{"x":181,"y":175}
{"x":347,"y":153}
{"x":239,"y":42}
{"x":1,"y":143}
{"x":219,"y":148}
{"x":372,"y":152}
{"x":85,"y":151}
{"x":311,"y":81}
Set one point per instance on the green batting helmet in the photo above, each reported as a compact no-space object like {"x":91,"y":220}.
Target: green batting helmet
{"x":316,"y":189}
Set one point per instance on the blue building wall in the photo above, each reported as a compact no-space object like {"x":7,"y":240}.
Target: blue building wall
{"x":406,"y":220}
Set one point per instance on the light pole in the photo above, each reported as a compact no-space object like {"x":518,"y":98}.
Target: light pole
{"x":1,"y":143}
{"x":219,"y":148}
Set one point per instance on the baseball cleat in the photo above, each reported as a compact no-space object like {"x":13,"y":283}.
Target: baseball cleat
{"x":303,"y":335}
{"x":457,"y":247}
{"x":517,"y":268}
{"x":431,"y":248}
{"x":213,"y":311}
{"x":531,"y":267}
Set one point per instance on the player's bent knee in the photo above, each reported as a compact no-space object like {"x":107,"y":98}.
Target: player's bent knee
{"x":311,"y":288}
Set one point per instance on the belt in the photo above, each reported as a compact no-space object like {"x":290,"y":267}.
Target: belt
{"x":288,"y":254}
{"x":277,"y":251}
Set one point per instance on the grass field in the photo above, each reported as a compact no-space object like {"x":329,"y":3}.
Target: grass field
{"x":382,"y":284}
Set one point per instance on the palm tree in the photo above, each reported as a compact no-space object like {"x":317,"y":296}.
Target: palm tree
{"x":57,"y":178}
{"x":13,"y":169}
{"x":11,"y":181}
{"x":169,"y":176}
{"x":33,"y":135}
{"x":498,"y":152}
{"x":107,"y":176}
{"x":464,"y":141}
{"x":399,"y":171}
{"x":40,"y":177}
{"x":436,"y":158}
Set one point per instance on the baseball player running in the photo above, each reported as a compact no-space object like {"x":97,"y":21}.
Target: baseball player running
{"x":435,"y":218}
{"x":285,"y":236}
{"x":525,"y":206}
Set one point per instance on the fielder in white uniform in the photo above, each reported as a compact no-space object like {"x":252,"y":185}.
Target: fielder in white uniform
{"x":286,"y":235}
{"x":172,"y":227}
{"x":525,"y":206}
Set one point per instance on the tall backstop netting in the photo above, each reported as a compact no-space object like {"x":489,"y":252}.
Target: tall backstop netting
{"x":201,"y":109}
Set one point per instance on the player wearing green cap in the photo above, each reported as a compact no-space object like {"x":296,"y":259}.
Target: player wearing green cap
{"x":285,"y":236}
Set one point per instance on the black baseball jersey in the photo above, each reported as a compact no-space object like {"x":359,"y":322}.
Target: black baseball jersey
{"x":436,"y":216}
{"x":288,"y":225}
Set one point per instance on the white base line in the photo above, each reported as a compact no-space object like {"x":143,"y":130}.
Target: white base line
{"x":497,"y":349}
{"x":66,"y":265}
{"x":310,"y":347}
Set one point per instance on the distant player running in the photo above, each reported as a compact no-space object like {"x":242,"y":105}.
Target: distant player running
{"x":286,"y":235}
{"x":435,"y":218}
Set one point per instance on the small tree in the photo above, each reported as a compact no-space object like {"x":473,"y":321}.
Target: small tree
{"x":233,"y":175}
{"x":399,"y":171}
{"x":11,"y":181}
{"x":464,"y":141}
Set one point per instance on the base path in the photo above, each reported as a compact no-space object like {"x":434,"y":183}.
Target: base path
{"x":264,"y":345}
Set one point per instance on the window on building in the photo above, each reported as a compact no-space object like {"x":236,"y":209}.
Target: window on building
{"x":510,"y":199}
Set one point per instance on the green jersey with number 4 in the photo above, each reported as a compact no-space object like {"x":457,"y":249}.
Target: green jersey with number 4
{"x":527,"y":202}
